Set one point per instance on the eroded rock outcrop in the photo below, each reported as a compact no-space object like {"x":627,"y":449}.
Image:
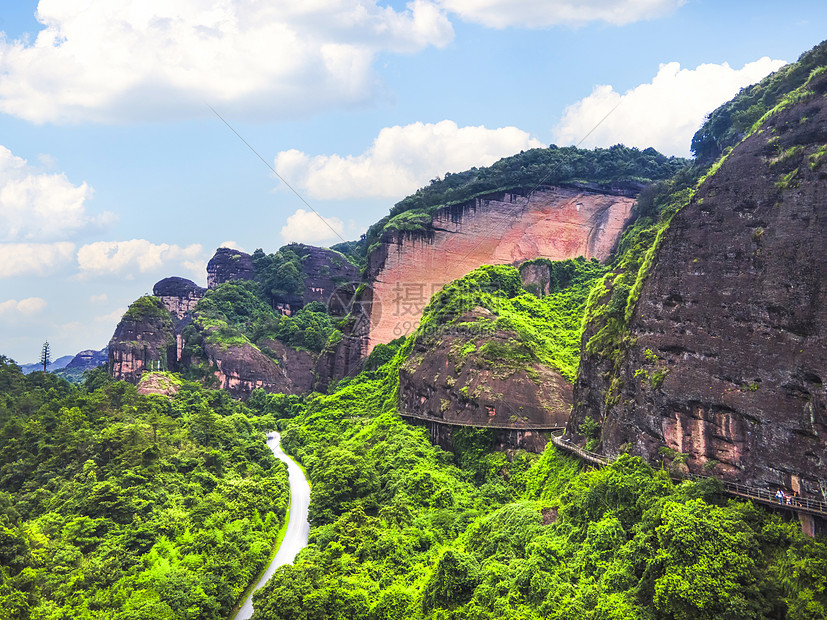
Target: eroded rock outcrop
{"x":240,"y":369}
{"x":159,"y":339}
{"x":178,"y":295}
{"x":505,"y":228}
{"x":325,"y":271}
{"x":159,"y":383}
{"x":227,"y":265}
{"x":460,"y":377}
{"x":143,"y":340}
{"x":727,"y":347}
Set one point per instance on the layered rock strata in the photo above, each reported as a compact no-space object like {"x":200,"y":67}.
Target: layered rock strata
{"x":505,"y":228}
{"x":451,"y":379}
{"x":727,"y":360}
{"x":143,"y":340}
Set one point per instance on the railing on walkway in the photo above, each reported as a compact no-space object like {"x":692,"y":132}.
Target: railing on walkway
{"x":589,"y":457}
{"x":503,"y":427}
{"x":797,"y":504}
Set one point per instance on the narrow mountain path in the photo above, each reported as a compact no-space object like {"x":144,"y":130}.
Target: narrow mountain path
{"x":762,"y":496}
{"x":298,"y":528}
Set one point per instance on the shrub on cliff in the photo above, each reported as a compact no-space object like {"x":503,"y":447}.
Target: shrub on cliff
{"x":729,"y":123}
{"x":146,"y":308}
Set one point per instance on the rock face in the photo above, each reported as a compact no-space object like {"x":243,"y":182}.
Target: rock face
{"x":450,"y":380}
{"x":240,"y":369}
{"x":151,"y":334}
{"x":227,"y":264}
{"x":554,"y":222}
{"x":143,"y":340}
{"x":178,"y":295}
{"x":325,"y":272}
{"x":158,"y":383}
{"x":729,"y":360}
{"x":296,"y":366}
{"x":346,"y":358}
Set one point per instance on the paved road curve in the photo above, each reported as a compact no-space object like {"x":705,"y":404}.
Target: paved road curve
{"x":297,"y":527}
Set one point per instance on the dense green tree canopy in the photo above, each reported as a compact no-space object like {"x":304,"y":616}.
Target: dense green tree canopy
{"x":122,"y":506}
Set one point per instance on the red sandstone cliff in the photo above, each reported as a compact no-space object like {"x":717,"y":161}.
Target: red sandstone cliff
{"x":505,"y":228}
{"x":733,"y":320}
{"x":144,"y":340}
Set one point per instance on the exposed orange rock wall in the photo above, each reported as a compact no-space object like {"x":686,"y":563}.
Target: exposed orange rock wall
{"x":555,"y":223}
{"x":181,"y":306}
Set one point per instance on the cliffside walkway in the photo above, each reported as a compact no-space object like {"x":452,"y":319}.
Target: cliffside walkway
{"x":762,"y":496}
{"x":506,"y":427}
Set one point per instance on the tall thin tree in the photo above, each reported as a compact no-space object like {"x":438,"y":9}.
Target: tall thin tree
{"x":46,"y":355}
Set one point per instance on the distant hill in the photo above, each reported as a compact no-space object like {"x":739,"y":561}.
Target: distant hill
{"x":83,"y":361}
{"x":72,"y":367}
{"x":59,"y":363}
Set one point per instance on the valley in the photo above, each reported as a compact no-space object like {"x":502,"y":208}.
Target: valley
{"x":533,"y":390}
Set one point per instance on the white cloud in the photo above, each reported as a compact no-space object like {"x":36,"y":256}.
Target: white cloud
{"x":24,"y":307}
{"x":40,"y":206}
{"x":112,"y":317}
{"x":307,"y":227}
{"x":98,"y":299}
{"x":197,"y":269}
{"x":665,"y":113}
{"x":544,"y":13}
{"x":401,"y":160}
{"x":231,"y":245}
{"x":119,"y":257}
{"x":151,"y":59}
{"x":34,"y":259}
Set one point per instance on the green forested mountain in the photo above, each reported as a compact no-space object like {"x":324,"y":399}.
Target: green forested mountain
{"x":117,"y":505}
{"x":521,"y":172}
{"x":403,"y":529}
{"x":728,"y":124}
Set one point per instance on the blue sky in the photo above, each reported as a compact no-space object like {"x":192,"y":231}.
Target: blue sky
{"x":114,"y":173}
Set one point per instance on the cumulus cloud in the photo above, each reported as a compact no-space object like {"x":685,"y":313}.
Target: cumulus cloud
{"x":231,"y":245}
{"x":123,"y":257}
{"x":40,"y":206}
{"x":307,"y":227}
{"x":24,"y":307}
{"x":544,"y":13}
{"x":138,"y":59}
{"x":401,"y":159}
{"x":34,"y":259}
{"x":665,"y":113}
{"x":98,"y":299}
{"x":112,"y":317}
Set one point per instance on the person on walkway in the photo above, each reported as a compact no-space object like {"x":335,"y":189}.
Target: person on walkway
{"x":780,"y":496}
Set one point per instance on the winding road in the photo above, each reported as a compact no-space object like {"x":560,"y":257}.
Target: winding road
{"x":298,"y":528}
